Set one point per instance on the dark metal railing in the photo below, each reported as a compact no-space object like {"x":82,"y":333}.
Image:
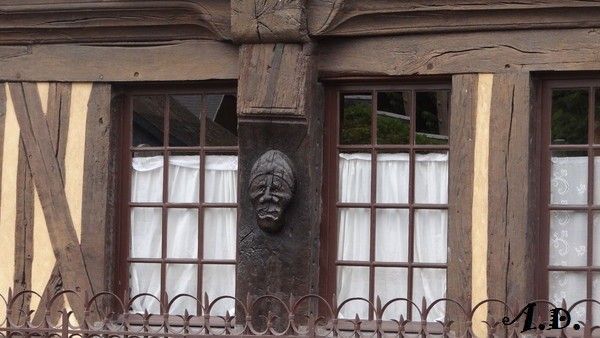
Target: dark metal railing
{"x":108,"y":315}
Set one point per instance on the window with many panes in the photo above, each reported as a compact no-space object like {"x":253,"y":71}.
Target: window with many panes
{"x":387,"y":196}
{"x":571,"y":195}
{"x":180,"y":184}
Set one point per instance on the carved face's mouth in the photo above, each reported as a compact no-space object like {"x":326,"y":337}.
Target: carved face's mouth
{"x":269,"y":211}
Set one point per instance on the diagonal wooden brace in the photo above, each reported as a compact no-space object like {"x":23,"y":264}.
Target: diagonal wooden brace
{"x":49,"y":184}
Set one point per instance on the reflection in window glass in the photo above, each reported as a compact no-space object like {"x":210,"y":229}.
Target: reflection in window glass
{"x":355,"y":124}
{"x":569,"y":116}
{"x":393,"y":117}
{"x":221,"y":121}
{"x":148,"y":121}
{"x":184,"y":120}
{"x":432,"y":117}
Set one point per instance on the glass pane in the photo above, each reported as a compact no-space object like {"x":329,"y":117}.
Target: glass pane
{"x":147,"y":179}
{"x":431,"y":284}
{"x":596,"y":185}
{"x":431,"y":236}
{"x":570,"y":286}
{"x":569,"y":177}
{"x":182,"y":279}
{"x":431,"y":178}
{"x":391,"y":243}
{"x":596,"y":295}
{"x":184,"y":177}
{"x":569,"y":116}
{"x":145,"y":278}
{"x":217,"y":281}
{"x":392,"y":178}
{"x":184,"y":120}
{"x":148,"y":121}
{"x":433,"y":118}
{"x":182,"y":233}
{"x":354,"y":234}
{"x":355,"y":119}
{"x":355,"y":178}
{"x":220,"y":179}
{"x":220,"y":233}
{"x":596,"y":231}
{"x":393,"y":117}
{"x":146,"y":233}
{"x":568,"y":238}
{"x":353,"y":282}
{"x":392,"y":283}
{"x":221,"y":123}
{"x":597,"y":117}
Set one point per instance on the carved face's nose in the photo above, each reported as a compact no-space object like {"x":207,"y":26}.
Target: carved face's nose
{"x":267,"y":196}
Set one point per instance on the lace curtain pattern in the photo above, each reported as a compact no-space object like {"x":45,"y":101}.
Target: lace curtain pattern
{"x":569,"y":231}
{"x":220,"y":186}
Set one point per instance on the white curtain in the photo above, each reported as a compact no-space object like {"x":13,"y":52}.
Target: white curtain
{"x":182,"y":230}
{"x":391,"y":243}
{"x":568,"y":233}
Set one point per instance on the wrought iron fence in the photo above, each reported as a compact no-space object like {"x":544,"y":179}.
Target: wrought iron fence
{"x":107,"y":315}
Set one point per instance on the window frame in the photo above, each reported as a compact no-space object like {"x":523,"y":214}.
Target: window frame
{"x":332,"y":147}
{"x":124,"y":174}
{"x":543,"y":267}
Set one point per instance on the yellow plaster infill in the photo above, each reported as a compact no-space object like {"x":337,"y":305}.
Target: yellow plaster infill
{"x":479,"y":214}
{"x":8,"y":194}
{"x":75,"y":152}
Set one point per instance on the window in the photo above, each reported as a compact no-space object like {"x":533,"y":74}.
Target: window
{"x":180,"y":181}
{"x":571,"y":196}
{"x":387,"y":209}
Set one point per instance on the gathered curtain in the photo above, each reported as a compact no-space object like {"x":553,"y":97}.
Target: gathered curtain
{"x":392,"y":231}
{"x":219,"y":231}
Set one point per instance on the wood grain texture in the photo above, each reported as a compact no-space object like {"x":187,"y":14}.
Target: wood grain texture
{"x":385,"y":17}
{"x":96,"y":215}
{"x":113,"y":21}
{"x":178,"y":61}
{"x":460,"y":192}
{"x":57,"y":115}
{"x":498,"y":52}
{"x":263,"y":21}
{"x":23,"y":234}
{"x":274,"y":79}
{"x":44,"y":166}
{"x":512,"y":158}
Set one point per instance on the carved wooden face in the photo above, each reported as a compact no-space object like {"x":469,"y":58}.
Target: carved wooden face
{"x":271,"y":189}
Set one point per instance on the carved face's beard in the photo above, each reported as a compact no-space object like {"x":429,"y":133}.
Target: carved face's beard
{"x":270,"y":196}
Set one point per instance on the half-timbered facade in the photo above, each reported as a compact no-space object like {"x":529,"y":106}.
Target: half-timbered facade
{"x":375,"y":149}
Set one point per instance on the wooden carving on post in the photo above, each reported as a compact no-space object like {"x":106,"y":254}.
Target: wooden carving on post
{"x":260,"y":21}
{"x":272,"y":185}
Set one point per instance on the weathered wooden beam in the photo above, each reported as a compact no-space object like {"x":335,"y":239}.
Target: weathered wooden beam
{"x":113,"y":21}
{"x":512,"y":166}
{"x":48,"y":182}
{"x":176,"y":61}
{"x":97,"y":213}
{"x":265,"y":21}
{"x":391,"y":17}
{"x":23,"y":235}
{"x":57,"y":115}
{"x":274,"y":79}
{"x":460,"y":193}
{"x":482,"y":52}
